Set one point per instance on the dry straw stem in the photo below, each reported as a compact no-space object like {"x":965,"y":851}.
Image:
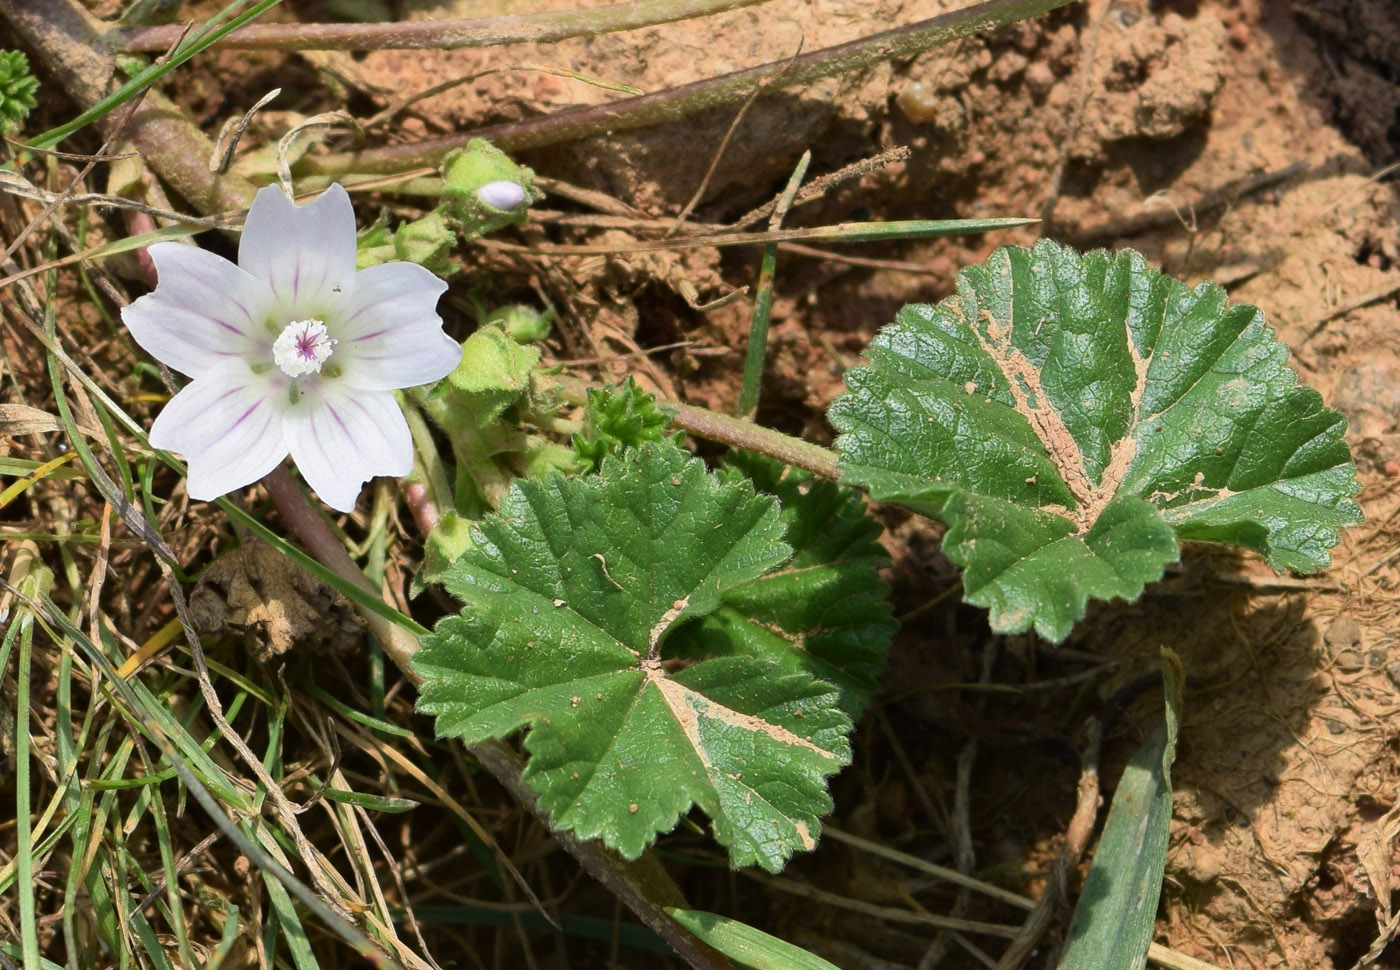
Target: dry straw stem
{"x":688,"y":99}
{"x":538,"y":28}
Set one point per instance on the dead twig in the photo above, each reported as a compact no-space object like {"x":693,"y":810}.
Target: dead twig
{"x":823,"y":184}
{"x":1081,"y":827}
{"x":674,"y":104}
{"x":1130,"y":225}
{"x":700,"y":189}
{"x":442,"y":34}
{"x":1383,"y":292}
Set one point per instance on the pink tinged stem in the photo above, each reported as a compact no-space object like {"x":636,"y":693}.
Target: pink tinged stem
{"x":420,"y":503}
{"x":136,"y":224}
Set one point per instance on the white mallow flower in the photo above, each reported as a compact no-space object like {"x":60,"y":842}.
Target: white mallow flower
{"x":291,"y":350}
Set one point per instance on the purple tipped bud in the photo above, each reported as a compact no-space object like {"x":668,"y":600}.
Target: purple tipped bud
{"x":503,"y":195}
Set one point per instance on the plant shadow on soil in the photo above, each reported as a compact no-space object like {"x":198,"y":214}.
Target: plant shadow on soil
{"x":1255,"y":675}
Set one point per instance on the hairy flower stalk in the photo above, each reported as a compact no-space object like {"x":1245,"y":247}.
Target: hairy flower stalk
{"x":291,"y":351}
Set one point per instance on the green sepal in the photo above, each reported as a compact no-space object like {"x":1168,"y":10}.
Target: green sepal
{"x":524,"y":323}
{"x":494,"y":372}
{"x":450,"y":538}
{"x":430,"y":242}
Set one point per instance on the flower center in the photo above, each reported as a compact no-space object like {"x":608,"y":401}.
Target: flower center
{"x":302,"y":347}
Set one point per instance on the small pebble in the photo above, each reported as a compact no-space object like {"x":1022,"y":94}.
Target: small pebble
{"x":1392,"y":670}
{"x":918,"y":103}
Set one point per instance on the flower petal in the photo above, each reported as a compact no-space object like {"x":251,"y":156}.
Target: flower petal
{"x":228,"y":425}
{"x":303,"y":252}
{"x":391,"y":335}
{"x":341,"y":437}
{"x":203,"y":312}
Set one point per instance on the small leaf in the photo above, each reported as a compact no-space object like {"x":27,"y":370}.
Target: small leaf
{"x":1072,"y":417}
{"x":750,"y":947}
{"x":827,"y":612}
{"x":1117,"y":909}
{"x":572,"y":592}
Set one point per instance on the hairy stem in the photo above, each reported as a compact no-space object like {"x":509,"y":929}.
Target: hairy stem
{"x":688,"y":99}
{"x":441,"y":34}
{"x":740,"y":433}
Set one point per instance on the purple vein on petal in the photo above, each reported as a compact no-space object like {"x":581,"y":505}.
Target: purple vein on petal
{"x":243,"y":417}
{"x":231,"y":390}
{"x":237,"y":456}
{"x":339,"y":420}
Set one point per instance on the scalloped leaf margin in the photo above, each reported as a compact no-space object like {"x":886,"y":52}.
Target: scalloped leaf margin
{"x":572,"y":590}
{"x":1072,"y":417}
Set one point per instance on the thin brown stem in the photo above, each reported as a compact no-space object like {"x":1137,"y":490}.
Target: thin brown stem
{"x":688,"y":99}
{"x":1080,"y":828}
{"x":441,"y":34}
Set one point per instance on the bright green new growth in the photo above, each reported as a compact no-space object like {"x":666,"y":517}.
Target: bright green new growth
{"x":1072,"y":417}
{"x":572,"y":593}
{"x":618,"y":417}
{"x":17,"y":89}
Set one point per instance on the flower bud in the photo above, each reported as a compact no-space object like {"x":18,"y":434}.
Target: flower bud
{"x":483,"y":190}
{"x":428,"y":241}
{"x":525,"y":324}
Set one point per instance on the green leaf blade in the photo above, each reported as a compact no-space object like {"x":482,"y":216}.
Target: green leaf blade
{"x":574,"y":591}
{"x":749,"y":946}
{"x":1116,"y":914}
{"x":1072,"y":417}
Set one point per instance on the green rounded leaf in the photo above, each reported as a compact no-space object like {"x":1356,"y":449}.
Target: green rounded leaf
{"x":572,"y":592}
{"x":1072,"y":417}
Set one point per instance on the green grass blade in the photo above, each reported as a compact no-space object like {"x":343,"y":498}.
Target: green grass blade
{"x":226,"y":940}
{"x":746,"y":945}
{"x":150,"y":942}
{"x":13,"y":952}
{"x":172,"y":880}
{"x":1117,"y":909}
{"x":290,"y":924}
{"x":359,"y":717}
{"x":373,"y":803}
{"x":846,"y":232}
{"x":763,"y":299}
{"x":24,"y":851}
